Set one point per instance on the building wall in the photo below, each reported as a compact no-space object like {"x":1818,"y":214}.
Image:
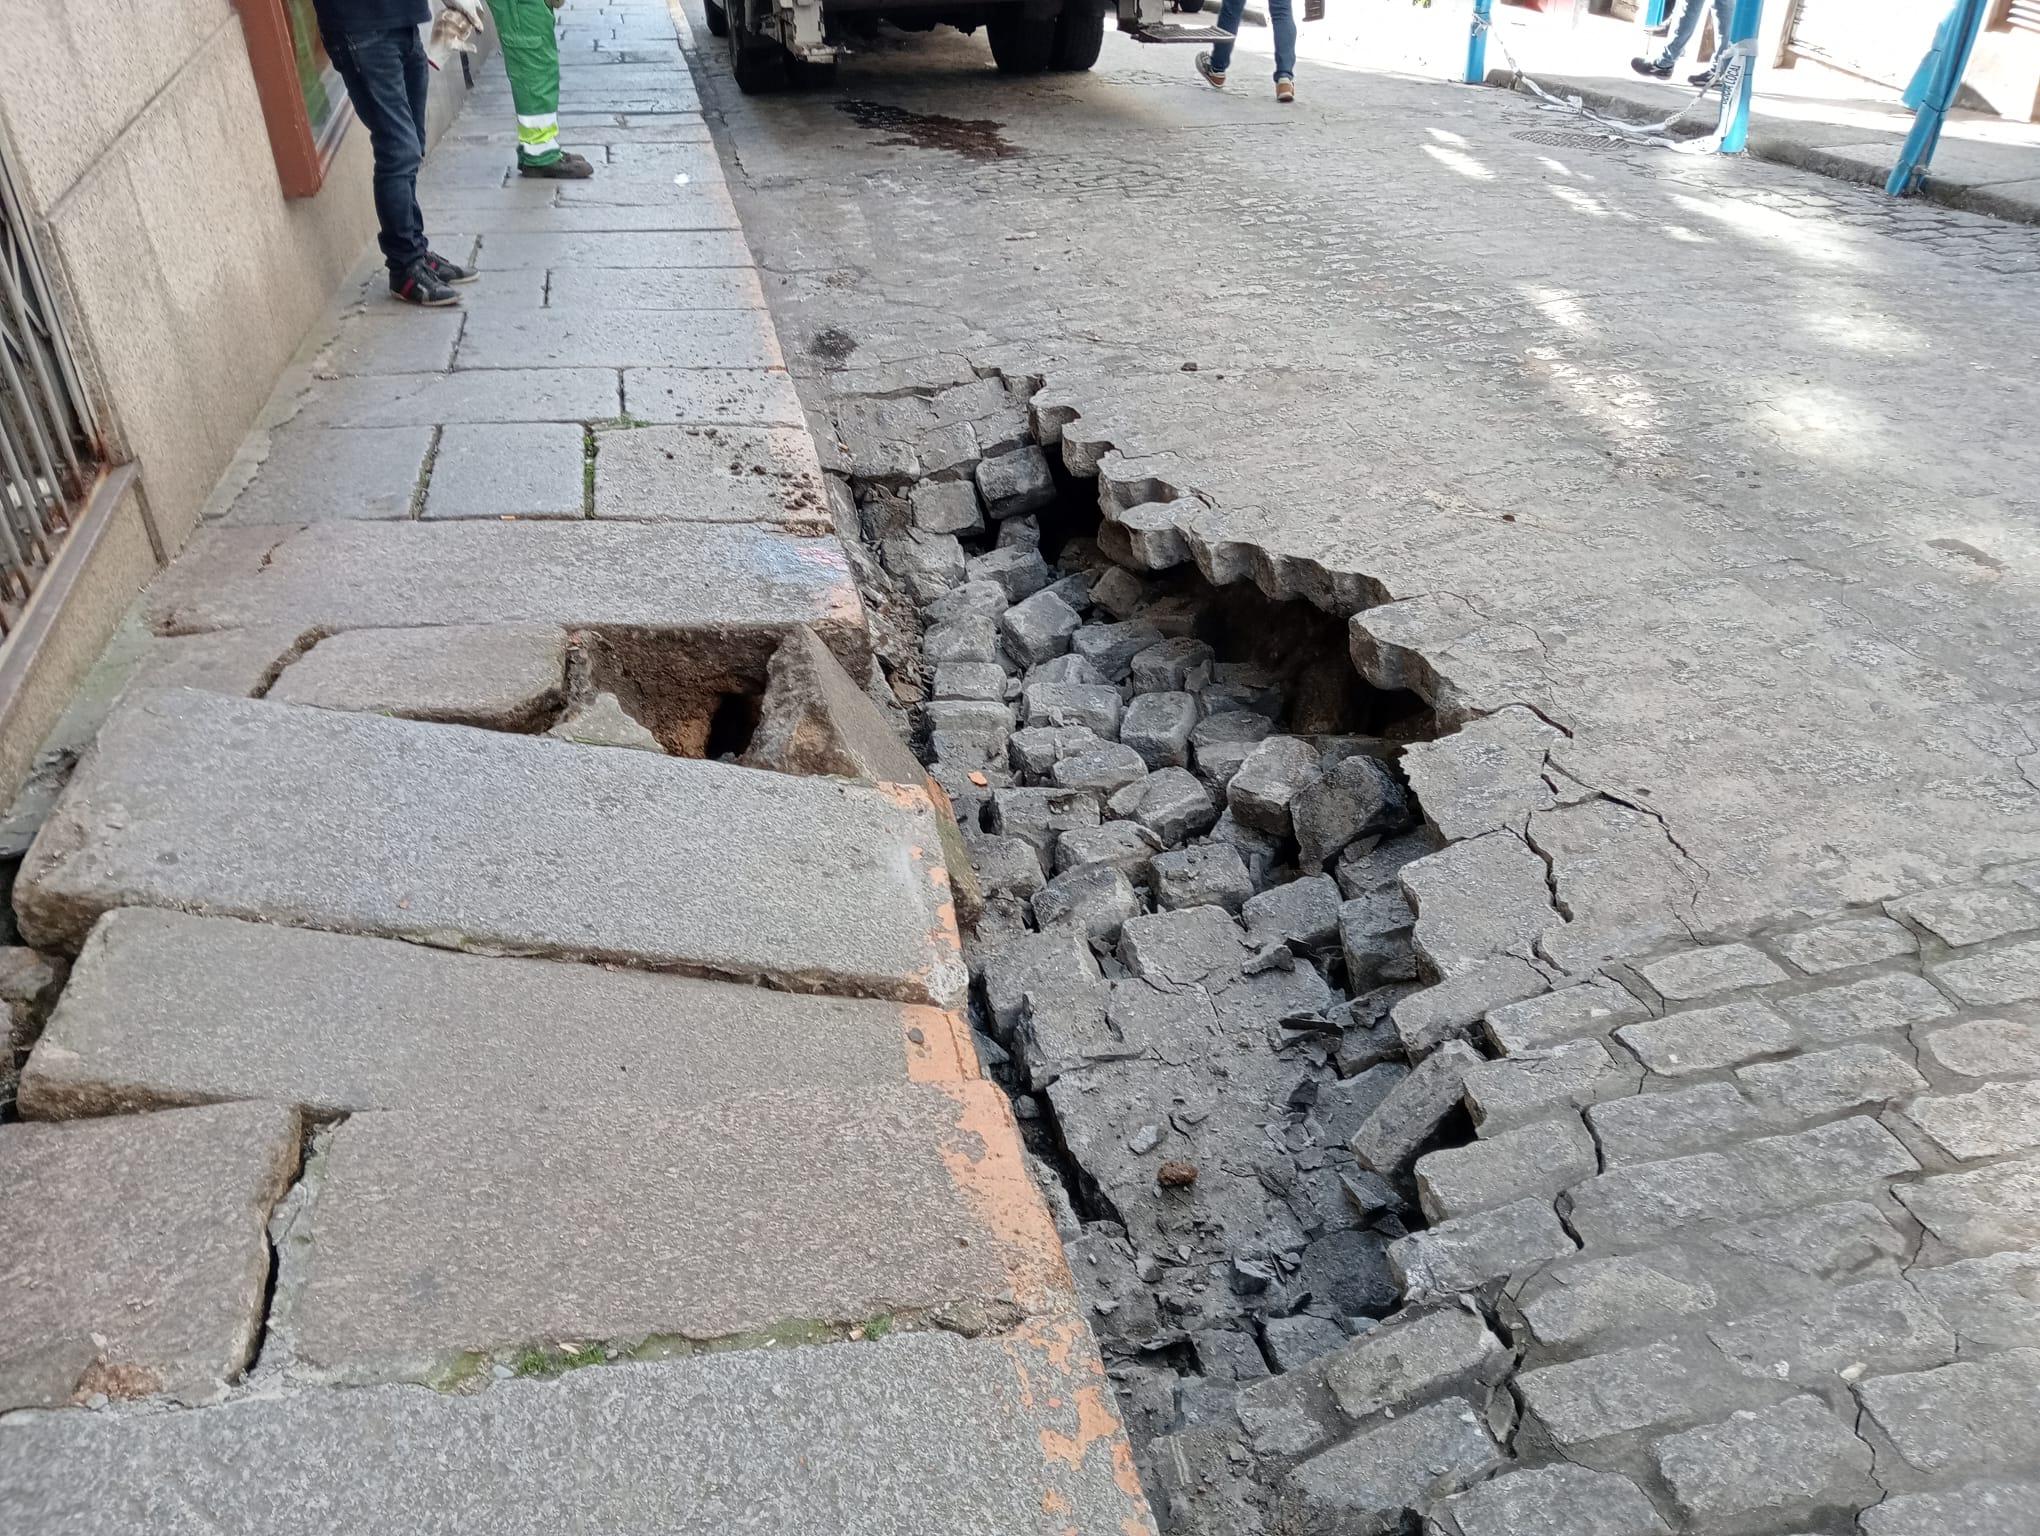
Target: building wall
{"x":186,"y":278}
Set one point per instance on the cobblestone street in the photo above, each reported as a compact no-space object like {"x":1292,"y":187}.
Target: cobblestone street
{"x":1063,"y":805}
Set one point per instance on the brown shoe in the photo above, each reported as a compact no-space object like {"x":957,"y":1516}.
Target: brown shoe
{"x":1285,"y":90}
{"x":569,"y":167}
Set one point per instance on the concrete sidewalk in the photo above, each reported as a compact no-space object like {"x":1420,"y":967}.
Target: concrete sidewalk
{"x":512,"y":1072}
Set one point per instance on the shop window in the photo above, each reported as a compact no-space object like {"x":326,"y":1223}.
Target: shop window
{"x":303,"y":102}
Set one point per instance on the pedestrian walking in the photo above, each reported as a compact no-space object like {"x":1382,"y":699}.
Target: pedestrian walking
{"x":531,"y":57}
{"x":375,"y":47}
{"x":1661,"y":67}
{"x":1281,"y":21}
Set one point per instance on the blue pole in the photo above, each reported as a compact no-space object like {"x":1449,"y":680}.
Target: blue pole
{"x":1476,"y":42}
{"x":1741,"y":83}
{"x":1654,"y":15}
{"x":1943,"y":67}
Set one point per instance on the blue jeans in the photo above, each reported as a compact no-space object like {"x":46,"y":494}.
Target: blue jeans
{"x":1281,"y":21}
{"x":385,"y":74}
{"x":1689,"y":24}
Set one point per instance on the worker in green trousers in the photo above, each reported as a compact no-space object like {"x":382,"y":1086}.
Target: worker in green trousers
{"x":531,"y":55}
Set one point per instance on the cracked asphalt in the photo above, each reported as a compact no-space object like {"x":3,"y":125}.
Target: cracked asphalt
{"x":1725,"y":470}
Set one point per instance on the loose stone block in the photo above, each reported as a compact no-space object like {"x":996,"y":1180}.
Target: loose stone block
{"x":1478,"y":900}
{"x":1006,"y":866}
{"x":1572,"y":1303}
{"x":1105,"y":768}
{"x":831,"y":1438}
{"x":1986,"y":1048}
{"x":975,"y":599}
{"x":1538,"y":1160}
{"x":1878,"y":1326}
{"x":1111,"y":647}
{"x":1018,"y":571}
{"x":1365,"y":1485}
{"x":668,"y":578}
{"x":1961,"y":918}
{"x":1095,"y":706}
{"x":1706,"y":1039}
{"x":1119,"y":592}
{"x":1168,"y":666}
{"x":1505,"y":1094}
{"x":927,"y":564}
{"x":1989,"y":1122}
{"x":1650,"y":1126}
{"x":457,"y":838}
{"x":1036,"y":962}
{"x":1591,"y":1008}
{"x":1561,"y":1500}
{"x":1992,"y":1508}
{"x":1658,"y":1386}
{"x":1041,"y":815}
{"x":137,"y":1253}
{"x":403,"y":1267}
{"x":1269,"y":778}
{"x":970,"y":680}
{"x":965,"y":639}
{"x":1973,"y":1416}
{"x":946,"y":506}
{"x":1828,"y":1082}
{"x":1158,"y":726}
{"x":1996,"y":976}
{"x":1697,"y":973}
{"x":1295,"y":1342}
{"x":1774,"y":1173}
{"x":1094,"y":899}
{"x":1261,"y":853}
{"x":1875,"y":1005}
{"x":502,"y":677}
{"x":164,"y":1009}
{"x":1304,"y":913}
{"x":1169,"y":803}
{"x":1038,"y":628}
{"x":1414,"y":1359}
{"x":1984,"y":1211}
{"x":1126,"y":846}
{"x":600,"y":720}
{"x":1450,"y":1009}
{"x":1413,"y":1111}
{"x":1211,"y":874}
{"x":1851,"y":941}
{"x":1766,"y":1468}
{"x":1036,"y":749}
{"x":1468,"y":1251}
{"x":1289,"y":1415}
{"x":1357,"y":797}
{"x":1015,"y":483}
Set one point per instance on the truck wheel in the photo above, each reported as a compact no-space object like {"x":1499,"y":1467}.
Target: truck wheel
{"x":1079,"y":36}
{"x":1021,"y":45}
{"x":718,"y":19}
{"x":758,"y":67}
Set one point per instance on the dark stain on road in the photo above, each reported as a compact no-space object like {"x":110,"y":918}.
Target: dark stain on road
{"x":975,"y":138}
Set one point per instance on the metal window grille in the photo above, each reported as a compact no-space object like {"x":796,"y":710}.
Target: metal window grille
{"x":48,"y":447}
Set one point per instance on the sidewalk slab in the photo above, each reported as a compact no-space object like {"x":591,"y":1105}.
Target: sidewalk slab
{"x":136,"y":1253}
{"x":163,"y":1009}
{"x":736,"y":579}
{"x":431,"y":1240}
{"x":472,"y":839}
{"x":499,"y":677}
{"x":405,"y":399}
{"x":638,"y":248}
{"x":919,"y":1434}
{"x":584,"y":336}
{"x":708,"y":474}
{"x":736,"y":397}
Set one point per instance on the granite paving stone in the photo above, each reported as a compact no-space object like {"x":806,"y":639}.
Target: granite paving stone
{"x":1985,"y":1048}
{"x":1850,"y":941}
{"x":504,"y":677}
{"x":136,"y":1254}
{"x":1961,"y":918}
{"x":317,"y":474}
{"x":1874,"y":1005}
{"x":455,"y":837}
{"x":2002,"y":974}
{"x":757,"y":397}
{"x":406,"y":399}
{"x":1793,"y":1462}
{"x":1971,"y":1417}
{"x":612,"y":338}
{"x":1559,"y":1500}
{"x":1698,"y":973}
{"x":710,"y":474}
{"x":523,"y":469}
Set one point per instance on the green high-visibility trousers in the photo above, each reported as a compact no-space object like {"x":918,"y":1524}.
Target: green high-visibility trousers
{"x":531,"y":55}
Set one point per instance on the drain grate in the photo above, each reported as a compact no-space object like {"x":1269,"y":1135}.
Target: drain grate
{"x":1562,"y":138}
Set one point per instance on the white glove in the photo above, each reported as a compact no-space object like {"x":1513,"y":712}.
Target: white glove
{"x":471,"y":9}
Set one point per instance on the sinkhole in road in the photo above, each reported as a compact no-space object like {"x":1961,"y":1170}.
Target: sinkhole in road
{"x":1187,"y":824}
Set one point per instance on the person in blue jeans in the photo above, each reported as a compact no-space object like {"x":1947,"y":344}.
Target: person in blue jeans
{"x":375,"y":46}
{"x":1661,"y":67}
{"x":1281,"y":21}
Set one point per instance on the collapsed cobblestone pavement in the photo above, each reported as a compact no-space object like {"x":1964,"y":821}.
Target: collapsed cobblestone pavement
{"x":1456,"y":949}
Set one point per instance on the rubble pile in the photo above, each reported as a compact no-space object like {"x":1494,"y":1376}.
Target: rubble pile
{"x":1186,"y":823}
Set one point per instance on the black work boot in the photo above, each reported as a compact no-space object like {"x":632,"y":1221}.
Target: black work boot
{"x":569,"y":167}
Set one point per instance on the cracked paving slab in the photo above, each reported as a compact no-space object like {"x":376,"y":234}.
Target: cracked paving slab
{"x":1766,"y":580}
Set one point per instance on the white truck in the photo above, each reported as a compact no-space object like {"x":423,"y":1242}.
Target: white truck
{"x":798,"y":41}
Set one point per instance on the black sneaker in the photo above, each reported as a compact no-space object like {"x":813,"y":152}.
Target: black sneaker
{"x":419,"y":286}
{"x":569,"y":167}
{"x":1708,"y":76}
{"x":1651,"y":68}
{"x":448,"y":271}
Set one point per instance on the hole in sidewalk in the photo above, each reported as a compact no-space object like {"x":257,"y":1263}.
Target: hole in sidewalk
{"x":1187,"y":821}
{"x":693,"y":700}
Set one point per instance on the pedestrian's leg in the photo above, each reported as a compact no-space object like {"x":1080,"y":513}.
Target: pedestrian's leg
{"x":1682,"y":35}
{"x":1230,"y":15}
{"x":1282,"y":22}
{"x":372,"y":66}
{"x":417,"y":88}
{"x":531,"y":57}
